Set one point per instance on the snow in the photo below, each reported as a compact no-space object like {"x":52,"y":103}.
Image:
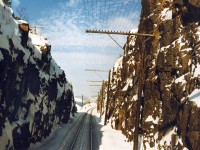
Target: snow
{"x":129,"y":83}
{"x":150,"y":118}
{"x":166,"y":139}
{"x":125,"y":87}
{"x":78,"y":102}
{"x":38,"y":40}
{"x":59,"y":90}
{"x":134,"y":30}
{"x":164,"y":48}
{"x":197,"y":71}
{"x":166,"y":14}
{"x":112,"y":139}
{"x":45,"y":109}
{"x":78,"y":107}
{"x":8,"y":26}
{"x":22,"y":22}
{"x":181,"y":79}
{"x":55,"y":69}
{"x":118,"y":63}
{"x":54,"y":141}
{"x":4,"y":42}
{"x":7,"y":132}
{"x":195,"y":97}
{"x":198,"y":33}
{"x":135,"y":97}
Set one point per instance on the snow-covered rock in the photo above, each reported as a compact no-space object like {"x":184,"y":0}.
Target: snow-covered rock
{"x":34,"y":93}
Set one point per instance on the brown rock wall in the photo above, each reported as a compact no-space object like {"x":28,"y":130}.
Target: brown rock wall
{"x":164,"y":68}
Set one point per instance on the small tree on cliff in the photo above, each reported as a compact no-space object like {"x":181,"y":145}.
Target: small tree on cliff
{"x":7,"y":2}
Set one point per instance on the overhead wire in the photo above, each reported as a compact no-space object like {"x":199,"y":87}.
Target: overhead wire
{"x":132,"y":7}
{"x":99,"y":13}
{"x":102,"y":11}
{"x":136,"y":9}
{"x":118,"y":15}
{"x":123,"y":23}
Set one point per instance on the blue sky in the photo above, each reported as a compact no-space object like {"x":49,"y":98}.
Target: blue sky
{"x":65,"y":22}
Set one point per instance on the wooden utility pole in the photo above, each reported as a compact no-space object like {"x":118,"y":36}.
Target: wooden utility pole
{"x":140,"y":91}
{"x":102,"y":89}
{"x":107,"y":102}
{"x":98,"y":103}
{"x":82,"y":100}
{"x":118,"y":32}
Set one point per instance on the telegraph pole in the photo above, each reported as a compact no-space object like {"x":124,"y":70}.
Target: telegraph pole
{"x":98,"y":103}
{"x":140,"y":91}
{"x":82,"y":100}
{"x":108,"y":92}
{"x":102,"y":96}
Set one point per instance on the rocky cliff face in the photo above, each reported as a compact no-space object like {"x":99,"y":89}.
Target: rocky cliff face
{"x":163,"y":72}
{"x":34,"y":93}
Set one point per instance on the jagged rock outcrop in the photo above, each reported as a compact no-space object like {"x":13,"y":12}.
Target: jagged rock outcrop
{"x":163,"y":72}
{"x":34,"y":93}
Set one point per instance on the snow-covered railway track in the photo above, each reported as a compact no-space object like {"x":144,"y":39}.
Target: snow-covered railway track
{"x":81,"y":136}
{"x":91,"y":137}
{"x":78,"y":132}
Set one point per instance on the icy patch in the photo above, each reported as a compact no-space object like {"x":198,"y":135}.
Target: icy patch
{"x":166,"y":14}
{"x":195,"y":97}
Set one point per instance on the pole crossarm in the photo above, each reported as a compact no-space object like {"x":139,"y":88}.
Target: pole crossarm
{"x":118,"y":32}
{"x":96,"y":70}
{"x":93,"y":81}
{"x":35,"y":27}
